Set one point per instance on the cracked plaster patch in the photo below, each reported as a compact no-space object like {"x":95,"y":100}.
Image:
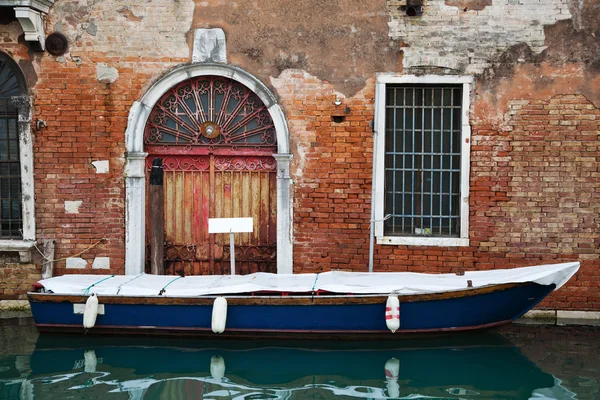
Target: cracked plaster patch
{"x":72,"y":207}
{"x":106,"y":74}
{"x":76,"y":262}
{"x":102,"y":167}
{"x":101,"y":263}
{"x":466,"y":41}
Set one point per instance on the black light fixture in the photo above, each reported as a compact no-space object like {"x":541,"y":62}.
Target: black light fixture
{"x":57,"y":44}
{"x":414,"y":8}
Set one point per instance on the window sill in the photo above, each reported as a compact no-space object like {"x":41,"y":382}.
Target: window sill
{"x":423,"y":241}
{"x":22,"y":246}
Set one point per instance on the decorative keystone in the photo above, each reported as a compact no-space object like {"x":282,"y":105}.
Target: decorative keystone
{"x":209,"y":46}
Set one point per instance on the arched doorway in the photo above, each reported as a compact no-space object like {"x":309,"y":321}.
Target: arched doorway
{"x":136,"y":165}
{"x":217,"y":140}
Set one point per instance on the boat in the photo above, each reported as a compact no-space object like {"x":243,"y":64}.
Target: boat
{"x":335,"y":303}
{"x":482,"y":365}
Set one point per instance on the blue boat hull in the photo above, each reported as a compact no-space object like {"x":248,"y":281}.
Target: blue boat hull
{"x":319,"y":315}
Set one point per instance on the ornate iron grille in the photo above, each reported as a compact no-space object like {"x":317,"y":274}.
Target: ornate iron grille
{"x":9,"y":84}
{"x":422,"y":160}
{"x":206,"y":113}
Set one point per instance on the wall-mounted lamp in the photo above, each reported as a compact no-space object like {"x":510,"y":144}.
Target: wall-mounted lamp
{"x":414,"y":8}
{"x":337,"y":102}
{"x":39,"y":124}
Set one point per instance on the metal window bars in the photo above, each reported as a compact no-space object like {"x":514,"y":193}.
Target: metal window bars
{"x":11,"y":221}
{"x":422,"y":160}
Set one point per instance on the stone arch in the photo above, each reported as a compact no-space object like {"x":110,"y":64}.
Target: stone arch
{"x":135,"y":177}
{"x":18,"y":97}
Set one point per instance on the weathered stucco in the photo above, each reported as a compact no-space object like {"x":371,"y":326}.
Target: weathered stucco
{"x":135,"y":29}
{"x":343,"y":42}
{"x":569,"y":64}
{"x":467,"y":40}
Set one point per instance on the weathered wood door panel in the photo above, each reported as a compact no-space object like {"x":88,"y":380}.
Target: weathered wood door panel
{"x":216,"y":140}
{"x":198,"y":188}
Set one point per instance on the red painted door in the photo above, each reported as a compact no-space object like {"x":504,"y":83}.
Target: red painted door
{"x":216,"y":139}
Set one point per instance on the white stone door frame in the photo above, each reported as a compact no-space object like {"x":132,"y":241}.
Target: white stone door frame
{"x":135,"y":176}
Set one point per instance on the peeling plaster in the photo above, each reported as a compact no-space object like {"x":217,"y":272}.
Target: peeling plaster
{"x":466,"y":5}
{"x":299,"y":86}
{"x":342,"y":42}
{"x":570,"y":64}
{"x":128,"y":13}
{"x":131,"y":30}
{"x":466,"y":41}
{"x":72,"y":207}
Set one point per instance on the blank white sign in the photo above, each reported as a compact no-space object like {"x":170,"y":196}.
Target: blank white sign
{"x":227,"y":225}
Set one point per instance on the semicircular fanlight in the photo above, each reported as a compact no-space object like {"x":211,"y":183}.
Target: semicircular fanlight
{"x":9,"y":84}
{"x":211,"y":111}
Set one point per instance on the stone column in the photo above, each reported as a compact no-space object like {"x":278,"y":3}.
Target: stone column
{"x":284,"y":215}
{"x":26,"y":159}
{"x":135,"y":213}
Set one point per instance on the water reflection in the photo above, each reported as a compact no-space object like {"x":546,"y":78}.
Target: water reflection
{"x":480,"y":366}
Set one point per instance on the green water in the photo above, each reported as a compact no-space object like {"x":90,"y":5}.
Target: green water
{"x":518,"y":362}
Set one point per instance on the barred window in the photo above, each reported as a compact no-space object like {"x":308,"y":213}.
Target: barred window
{"x":11,"y":223}
{"x":422,"y":160}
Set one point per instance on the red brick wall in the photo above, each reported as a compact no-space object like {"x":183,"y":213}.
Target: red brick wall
{"x":534,"y":176}
{"x":331,"y":172}
{"x":534,"y":190}
{"x":16,"y":278}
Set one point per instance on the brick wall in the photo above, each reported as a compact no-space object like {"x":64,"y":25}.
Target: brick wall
{"x":534,"y":196}
{"x":331,"y":172}
{"x":534,"y":189}
{"x":86,"y":120}
{"x":16,"y":278}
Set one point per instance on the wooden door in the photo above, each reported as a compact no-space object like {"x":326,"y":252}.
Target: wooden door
{"x":216,"y":140}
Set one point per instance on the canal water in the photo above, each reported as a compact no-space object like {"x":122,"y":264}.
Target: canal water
{"x":516,"y":362}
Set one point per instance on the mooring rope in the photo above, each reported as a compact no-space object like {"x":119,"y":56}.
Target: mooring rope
{"x":86,"y":291}
{"x":163,"y":289}
{"x":315,"y":284}
{"x":125,"y":283}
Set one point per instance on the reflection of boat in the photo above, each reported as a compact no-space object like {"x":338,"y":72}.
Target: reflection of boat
{"x":480,"y":366}
{"x":334,"y":303}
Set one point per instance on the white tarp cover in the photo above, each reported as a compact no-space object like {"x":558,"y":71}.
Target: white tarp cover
{"x":401,"y":283}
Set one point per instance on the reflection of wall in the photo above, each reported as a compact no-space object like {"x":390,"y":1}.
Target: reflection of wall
{"x":567,"y":353}
{"x":17,"y":335}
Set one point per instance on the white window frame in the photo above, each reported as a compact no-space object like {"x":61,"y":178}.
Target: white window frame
{"x":379,"y":167}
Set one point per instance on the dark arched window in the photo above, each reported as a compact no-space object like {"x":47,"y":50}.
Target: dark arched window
{"x":12,"y":88}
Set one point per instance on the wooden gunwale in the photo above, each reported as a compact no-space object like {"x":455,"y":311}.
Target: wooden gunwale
{"x":270,"y":300}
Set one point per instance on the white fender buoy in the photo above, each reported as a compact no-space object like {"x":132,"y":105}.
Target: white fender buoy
{"x":217,"y":367}
{"x":392,"y":313}
{"x":90,"y":311}
{"x":219,"y":315}
{"x":90,"y":361}
{"x":392,"y":371}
